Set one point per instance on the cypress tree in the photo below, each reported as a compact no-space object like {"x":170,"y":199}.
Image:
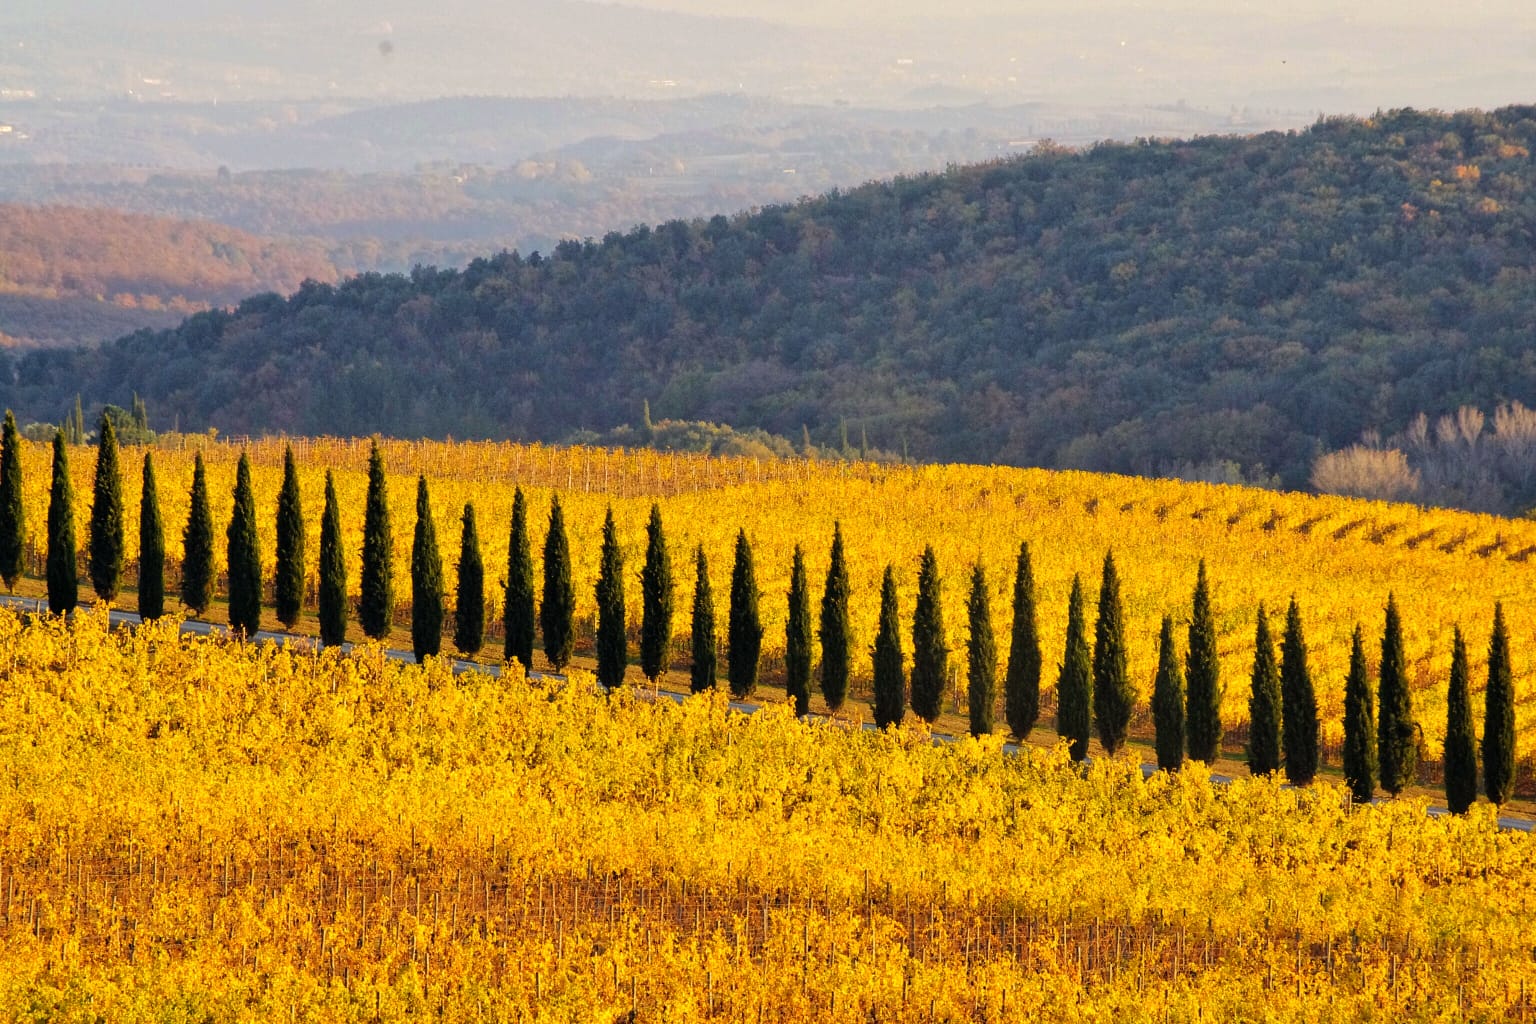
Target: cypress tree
{"x":13,"y":516}
{"x":981,"y":655}
{"x":1074,"y":685}
{"x":1202,"y":723}
{"x":518,"y":615}
{"x":655,"y":601}
{"x":836,"y":630}
{"x":333,"y":570}
{"x":1264,"y":703}
{"x":1168,"y":702}
{"x":151,"y":547}
{"x":1396,"y":739}
{"x":797,"y":637}
{"x":1022,"y":683}
{"x":63,"y":579}
{"x":930,"y":655}
{"x":1299,"y":703}
{"x":890,"y":683}
{"x":376,"y":600}
{"x":1359,"y":725}
{"x":702,"y":674}
{"x":1460,"y":743}
{"x":557,"y":611}
{"x":107,"y":516}
{"x":745,"y":630}
{"x":612,"y":644}
{"x":289,"y":582}
{"x":426,"y":580}
{"x":1113,"y":696}
{"x":244,"y":554}
{"x":1499,"y":717}
{"x":469,"y":599}
{"x":197,"y":544}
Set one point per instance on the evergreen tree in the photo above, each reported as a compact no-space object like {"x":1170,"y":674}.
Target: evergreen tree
{"x":197,"y":575}
{"x":244,"y":556}
{"x":151,"y":547}
{"x":890,"y":682}
{"x":1168,"y":702}
{"x":1074,"y":685}
{"x":107,"y":544}
{"x":655,"y":601}
{"x":612,"y":643}
{"x":930,"y":653}
{"x":797,"y":637}
{"x":1396,"y":732}
{"x":557,"y":611}
{"x":981,"y":655}
{"x":1299,"y":723}
{"x":836,"y":630}
{"x":289,"y":582}
{"x":1264,"y":703}
{"x":518,"y":616}
{"x":13,"y":516}
{"x":376,"y":600}
{"x":63,"y":578}
{"x":702,"y":674}
{"x":1360,"y":762}
{"x":469,"y":599}
{"x":1202,"y":723}
{"x":426,"y":580}
{"x":1022,"y":684}
{"x":333,"y":570}
{"x":1113,"y":696}
{"x":1499,"y":717}
{"x":1460,"y":743}
{"x":744,"y":632}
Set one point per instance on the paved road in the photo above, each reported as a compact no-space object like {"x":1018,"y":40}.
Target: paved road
{"x":198,"y":627}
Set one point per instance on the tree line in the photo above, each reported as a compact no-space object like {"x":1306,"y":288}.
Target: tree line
{"x":1093,"y":687}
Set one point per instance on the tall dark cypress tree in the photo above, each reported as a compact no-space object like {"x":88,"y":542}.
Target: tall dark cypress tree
{"x":376,"y":599}
{"x":151,"y":547}
{"x":1074,"y":685}
{"x":1499,"y":717}
{"x":836,"y":630}
{"x":1264,"y":703}
{"x":107,"y":544}
{"x":1299,"y":728}
{"x":702,"y":675}
{"x":1113,"y":696}
{"x":426,"y":580}
{"x":289,"y":582}
{"x":797,"y":637}
{"x":63,"y":577}
{"x":745,"y":630}
{"x":244,"y":556}
{"x":1460,"y":743}
{"x":930,"y":649}
{"x":469,"y":598}
{"x":333,"y":570}
{"x":13,"y":516}
{"x":1168,"y":702}
{"x":1022,"y":683}
{"x":1202,"y":723}
{"x":557,"y":611}
{"x":890,"y":682}
{"x":981,"y":655}
{"x":518,"y":615}
{"x":1396,"y":731}
{"x":655,"y":601}
{"x":612,"y":643}
{"x":197,"y":576}
{"x":1360,"y":763}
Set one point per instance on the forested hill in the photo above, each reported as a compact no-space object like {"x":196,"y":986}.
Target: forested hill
{"x":1131,"y":307}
